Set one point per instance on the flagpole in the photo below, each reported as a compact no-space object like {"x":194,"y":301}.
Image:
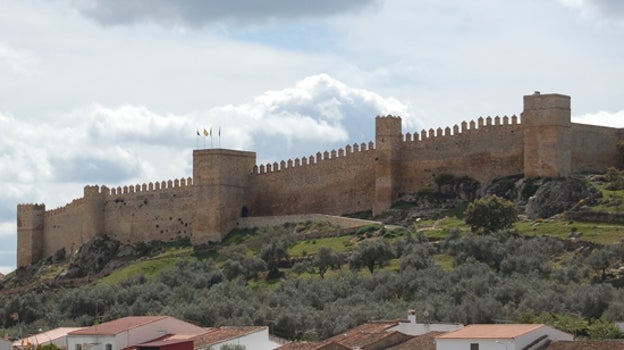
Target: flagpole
{"x":211,"y":137}
{"x":197,"y":140}
{"x":219,"y":137}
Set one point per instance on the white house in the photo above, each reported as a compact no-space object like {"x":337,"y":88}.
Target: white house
{"x":127,"y":332}
{"x":412,"y":327}
{"x":5,"y":344}
{"x":56,"y":336}
{"x":500,"y":337}
{"x":251,"y":337}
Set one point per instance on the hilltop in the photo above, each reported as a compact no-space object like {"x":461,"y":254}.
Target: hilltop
{"x":297,"y":277}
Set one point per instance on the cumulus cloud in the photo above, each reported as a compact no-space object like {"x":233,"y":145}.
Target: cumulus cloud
{"x":609,"y":11}
{"x":200,"y":12}
{"x":113,"y":145}
{"x":319,"y":113}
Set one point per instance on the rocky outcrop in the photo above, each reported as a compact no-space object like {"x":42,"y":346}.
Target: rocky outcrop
{"x":558,"y":195}
{"x":92,"y":257}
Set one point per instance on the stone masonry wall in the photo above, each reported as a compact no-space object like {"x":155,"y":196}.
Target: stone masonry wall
{"x":337,"y":182}
{"x":63,"y":228}
{"x":594,"y":148}
{"x":483,"y":150}
{"x":147,"y":215}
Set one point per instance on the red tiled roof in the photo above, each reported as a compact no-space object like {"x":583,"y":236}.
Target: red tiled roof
{"x":363,"y":330}
{"x":422,"y":342}
{"x":216,"y":335}
{"x":490,"y":331}
{"x":118,"y":326}
{"x":162,"y":343}
{"x":299,"y":346}
{"x":587,"y":345}
{"x":46,"y":337}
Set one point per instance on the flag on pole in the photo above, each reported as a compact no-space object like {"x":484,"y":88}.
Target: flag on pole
{"x":206,"y":132}
{"x":197,"y":132}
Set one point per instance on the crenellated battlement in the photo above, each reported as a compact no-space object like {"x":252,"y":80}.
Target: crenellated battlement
{"x":479,"y":125}
{"x":76,"y":203}
{"x":31,"y":206}
{"x":228,"y":184}
{"x":169,"y":185}
{"x":318,"y":159}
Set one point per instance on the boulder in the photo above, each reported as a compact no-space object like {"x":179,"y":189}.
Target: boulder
{"x":558,"y":195}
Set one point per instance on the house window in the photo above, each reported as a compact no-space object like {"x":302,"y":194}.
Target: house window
{"x":474,"y":346}
{"x":78,"y":347}
{"x":109,"y":346}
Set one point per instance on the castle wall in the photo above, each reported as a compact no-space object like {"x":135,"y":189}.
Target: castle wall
{"x":594,"y":148}
{"x":335,"y":183}
{"x":150,"y":213}
{"x":227,"y":184}
{"x":63,"y":228}
{"x":482,"y":150}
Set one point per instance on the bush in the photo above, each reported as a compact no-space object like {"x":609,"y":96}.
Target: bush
{"x":490,"y":214}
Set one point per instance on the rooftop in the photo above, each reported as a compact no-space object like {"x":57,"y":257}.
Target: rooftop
{"x":491,"y":331}
{"x":118,"y":326}
{"x":45,"y":337}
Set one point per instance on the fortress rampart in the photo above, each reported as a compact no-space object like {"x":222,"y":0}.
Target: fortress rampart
{"x":227,"y":184}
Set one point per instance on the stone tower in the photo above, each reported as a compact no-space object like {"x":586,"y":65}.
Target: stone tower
{"x":388,"y":143}
{"x":547,"y":135}
{"x":221,"y":180}
{"x":29,"y":233}
{"x":93,"y":212}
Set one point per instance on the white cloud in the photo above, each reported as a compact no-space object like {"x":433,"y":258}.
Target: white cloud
{"x":612,"y":119}
{"x":19,"y":61}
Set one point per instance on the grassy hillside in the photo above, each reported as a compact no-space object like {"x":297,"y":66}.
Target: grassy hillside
{"x":552,"y":270}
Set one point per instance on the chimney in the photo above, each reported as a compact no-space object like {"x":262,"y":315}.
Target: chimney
{"x":411,"y":316}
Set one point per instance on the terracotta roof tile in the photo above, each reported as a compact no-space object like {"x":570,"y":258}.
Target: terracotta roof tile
{"x":369,"y":328}
{"x":47,"y":336}
{"x":118,"y":326}
{"x":422,"y":342}
{"x":489,"y":331}
{"x":216,"y":335}
{"x":299,"y":346}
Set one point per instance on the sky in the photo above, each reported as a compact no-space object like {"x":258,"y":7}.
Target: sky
{"x":112,"y":92}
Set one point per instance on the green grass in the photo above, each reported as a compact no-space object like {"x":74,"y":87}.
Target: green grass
{"x":148,"y":268}
{"x":445,"y":261}
{"x":312,"y":246}
{"x":439,"y":229}
{"x":594,"y":232}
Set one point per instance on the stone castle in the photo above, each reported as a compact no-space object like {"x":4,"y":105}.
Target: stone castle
{"x":227,"y":184}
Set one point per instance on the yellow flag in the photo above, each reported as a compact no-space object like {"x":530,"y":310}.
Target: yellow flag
{"x":205,"y":132}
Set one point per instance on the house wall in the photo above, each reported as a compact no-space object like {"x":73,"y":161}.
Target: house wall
{"x":5,"y":345}
{"x":91,"y":342}
{"x":484,"y":344}
{"x":133,"y":336}
{"x":257,"y":341}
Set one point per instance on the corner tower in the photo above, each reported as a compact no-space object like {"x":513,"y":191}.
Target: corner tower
{"x":220,"y":185}
{"x":388,"y":143}
{"x":30,"y":220}
{"x":547,"y":142}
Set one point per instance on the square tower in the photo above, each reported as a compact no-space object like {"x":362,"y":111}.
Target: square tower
{"x":547,"y":135}
{"x":221,"y":186}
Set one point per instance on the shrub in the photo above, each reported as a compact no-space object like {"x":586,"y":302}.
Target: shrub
{"x":490,"y":214}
